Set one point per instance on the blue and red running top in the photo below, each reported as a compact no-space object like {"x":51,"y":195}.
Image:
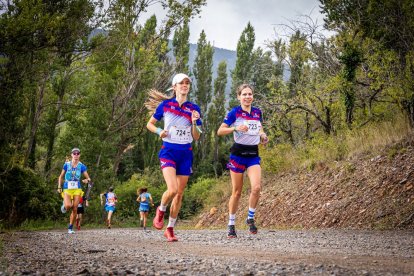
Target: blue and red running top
{"x":177,"y":120}
{"x":253,"y":120}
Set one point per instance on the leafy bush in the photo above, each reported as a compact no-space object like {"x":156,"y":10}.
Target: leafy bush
{"x":195,"y":197}
{"x":26,"y":195}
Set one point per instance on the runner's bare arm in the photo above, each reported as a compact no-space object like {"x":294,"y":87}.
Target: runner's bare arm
{"x":224,"y":129}
{"x":60,"y":179}
{"x":153,"y":128}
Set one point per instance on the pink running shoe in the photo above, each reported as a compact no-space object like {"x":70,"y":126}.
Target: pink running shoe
{"x":169,"y":234}
{"x":158,"y":221}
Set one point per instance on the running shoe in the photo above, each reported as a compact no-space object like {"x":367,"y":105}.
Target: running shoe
{"x":158,"y":221}
{"x":232,"y":232}
{"x":70,"y":231}
{"x":252,"y":226}
{"x":169,"y":234}
{"x":62,"y":209}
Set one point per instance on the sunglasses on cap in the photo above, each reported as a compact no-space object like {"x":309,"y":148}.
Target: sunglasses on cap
{"x":76,"y":153}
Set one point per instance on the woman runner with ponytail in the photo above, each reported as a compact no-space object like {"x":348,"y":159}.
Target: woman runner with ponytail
{"x":181,"y":127}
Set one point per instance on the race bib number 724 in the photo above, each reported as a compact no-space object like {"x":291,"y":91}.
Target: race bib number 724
{"x":181,"y":133}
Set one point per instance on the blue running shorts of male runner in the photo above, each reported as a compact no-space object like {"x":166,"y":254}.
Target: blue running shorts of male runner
{"x":239,"y":164}
{"x":179,"y":157}
{"x":110,"y":208}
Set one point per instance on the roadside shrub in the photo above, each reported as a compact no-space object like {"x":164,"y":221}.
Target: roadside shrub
{"x":26,"y":196}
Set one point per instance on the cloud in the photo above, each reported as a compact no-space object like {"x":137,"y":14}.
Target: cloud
{"x":224,"y":21}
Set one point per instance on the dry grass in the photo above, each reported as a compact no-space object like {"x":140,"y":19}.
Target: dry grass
{"x":373,"y":138}
{"x":326,"y":149}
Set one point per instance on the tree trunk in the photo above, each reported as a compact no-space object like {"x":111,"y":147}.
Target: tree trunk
{"x":408,"y":106}
{"x":328,"y":126}
{"x":308,"y":126}
{"x":52,"y":130}
{"x":34,"y":126}
{"x":349,"y":108}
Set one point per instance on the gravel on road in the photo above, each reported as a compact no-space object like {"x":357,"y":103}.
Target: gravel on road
{"x":208,"y":252}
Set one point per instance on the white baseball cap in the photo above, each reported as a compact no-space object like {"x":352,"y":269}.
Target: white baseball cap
{"x":179,"y":78}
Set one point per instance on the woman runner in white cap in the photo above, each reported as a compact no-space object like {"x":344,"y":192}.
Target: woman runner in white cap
{"x":181,"y":127}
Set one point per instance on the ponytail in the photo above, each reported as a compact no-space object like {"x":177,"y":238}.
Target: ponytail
{"x":155,"y":97}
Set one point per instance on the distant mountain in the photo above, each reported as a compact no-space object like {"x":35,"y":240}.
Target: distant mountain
{"x":230,"y":57}
{"x":219,"y":55}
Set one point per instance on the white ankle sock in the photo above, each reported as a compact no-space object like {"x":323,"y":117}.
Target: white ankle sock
{"x":171,"y":222}
{"x":232,"y":219}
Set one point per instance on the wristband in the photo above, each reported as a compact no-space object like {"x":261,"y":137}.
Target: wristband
{"x":198,"y":129}
{"x":158,"y":131}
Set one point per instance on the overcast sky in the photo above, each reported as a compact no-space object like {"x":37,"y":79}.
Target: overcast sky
{"x":224,"y":20}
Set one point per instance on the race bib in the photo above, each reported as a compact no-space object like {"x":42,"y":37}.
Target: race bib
{"x":72,"y":185}
{"x":254,"y":127}
{"x":181,"y":133}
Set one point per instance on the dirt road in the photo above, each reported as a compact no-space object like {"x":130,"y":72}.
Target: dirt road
{"x":209,"y":252}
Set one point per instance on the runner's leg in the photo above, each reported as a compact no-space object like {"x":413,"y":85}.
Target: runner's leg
{"x":178,"y":198}
{"x":255,"y":175}
{"x":170,"y":178}
{"x":237,"y":185}
{"x":76,"y":199}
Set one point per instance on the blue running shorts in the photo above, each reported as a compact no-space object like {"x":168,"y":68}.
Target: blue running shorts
{"x":179,"y":157}
{"x":239,"y":164}
{"x":110,"y":208}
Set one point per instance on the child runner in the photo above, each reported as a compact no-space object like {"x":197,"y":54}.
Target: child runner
{"x":110,"y":202}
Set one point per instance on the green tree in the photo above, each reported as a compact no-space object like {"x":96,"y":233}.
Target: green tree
{"x":243,"y":70}
{"x":215,"y":117}
{"x":264,"y":69}
{"x":350,"y":59}
{"x":203,"y":73}
{"x":181,"y":47}
{"x":390,"y":23}
{"x":38,"y":37}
